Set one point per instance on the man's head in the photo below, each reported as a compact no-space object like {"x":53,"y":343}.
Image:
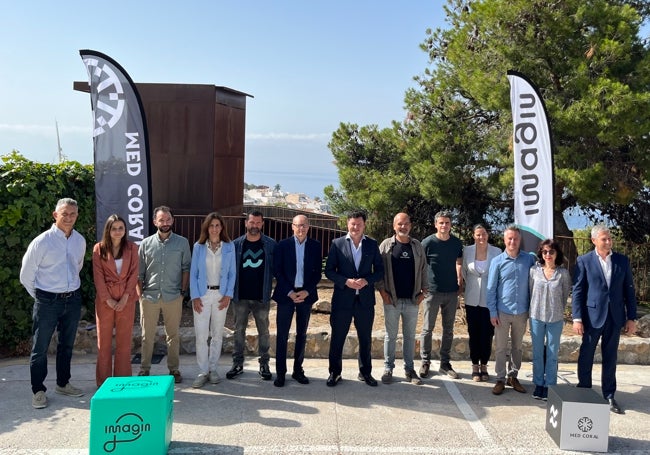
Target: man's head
{"x":512,"y":240}
{"x":300,"y":226}
{"x":402,"y":227}
{"x":442,"y":222}
{"x":163,"y":219}
{"x":65,"y":214}
{"x":602,"y":239}
{"x":356,"y":224}
{"x":254,"y":224}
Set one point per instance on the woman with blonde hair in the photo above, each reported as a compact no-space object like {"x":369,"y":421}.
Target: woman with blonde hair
{"x":476,"y":264}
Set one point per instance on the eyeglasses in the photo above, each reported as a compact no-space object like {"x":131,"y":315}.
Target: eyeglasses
{"x":300,"y":226}
{"x":548,"y":252}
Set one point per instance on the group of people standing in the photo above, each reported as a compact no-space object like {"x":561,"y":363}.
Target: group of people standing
{"x":502,"y":291}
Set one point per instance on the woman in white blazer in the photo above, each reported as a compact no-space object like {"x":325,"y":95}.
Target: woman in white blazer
{"x":476,"y":263}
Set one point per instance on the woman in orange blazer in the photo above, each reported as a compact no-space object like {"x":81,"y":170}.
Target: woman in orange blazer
{"x":115,"y":272}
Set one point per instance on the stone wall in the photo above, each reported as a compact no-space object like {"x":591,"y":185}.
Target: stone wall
{"x":632,"y":350}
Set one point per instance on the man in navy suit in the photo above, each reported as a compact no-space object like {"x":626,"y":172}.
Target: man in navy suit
{"x":603,"y":302}
{"x":297,"y":266}
{"x":354,"y":265}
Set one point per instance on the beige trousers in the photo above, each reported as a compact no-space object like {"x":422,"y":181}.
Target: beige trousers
{"x":149,"y":314}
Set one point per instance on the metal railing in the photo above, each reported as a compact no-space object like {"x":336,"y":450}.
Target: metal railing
{"x":190,"y":226}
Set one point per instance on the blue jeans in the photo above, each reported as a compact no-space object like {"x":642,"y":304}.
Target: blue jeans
{"x":446,"y":302}
{"x":545,"y":333}
{"x":260,"y":312}
{"x":53,"y":312}
{"x":408,"y":310}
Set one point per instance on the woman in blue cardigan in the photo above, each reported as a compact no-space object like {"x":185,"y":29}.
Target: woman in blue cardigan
{"x":212,"y":284}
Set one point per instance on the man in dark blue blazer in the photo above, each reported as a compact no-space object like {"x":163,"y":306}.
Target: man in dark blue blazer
{"x":603,"y":303}
{"x":297,"y":265}
{"x":353,"y":265}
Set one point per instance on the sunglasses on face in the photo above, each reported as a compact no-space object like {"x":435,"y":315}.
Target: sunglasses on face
{"x":548,"y":252}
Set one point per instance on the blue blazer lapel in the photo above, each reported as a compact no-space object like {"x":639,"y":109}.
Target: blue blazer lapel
{"x":292,"y":260}
{"x":347,"y":251}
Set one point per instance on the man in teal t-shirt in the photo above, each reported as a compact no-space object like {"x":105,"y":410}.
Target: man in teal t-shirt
{"x":444,"y":253}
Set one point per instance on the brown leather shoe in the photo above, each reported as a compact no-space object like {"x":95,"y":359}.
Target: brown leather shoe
{"x":515,"y":384}
{"x":177,"y":376}
{"x":498,"y":388}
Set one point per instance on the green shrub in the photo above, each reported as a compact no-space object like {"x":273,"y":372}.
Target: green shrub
{"x":29,"y":194}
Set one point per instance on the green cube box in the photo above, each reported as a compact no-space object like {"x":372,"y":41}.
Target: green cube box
{"x":132,"y":415}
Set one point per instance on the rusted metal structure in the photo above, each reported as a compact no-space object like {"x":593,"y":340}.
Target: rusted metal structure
{"x":196,"y":144}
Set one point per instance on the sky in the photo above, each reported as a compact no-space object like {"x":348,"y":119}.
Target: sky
{"x":309,"y":65}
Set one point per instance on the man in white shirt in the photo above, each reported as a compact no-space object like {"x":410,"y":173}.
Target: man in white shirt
{"x":50,"y":273}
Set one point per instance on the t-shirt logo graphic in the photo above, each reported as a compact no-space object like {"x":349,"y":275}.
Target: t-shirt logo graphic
{"x":251,"y":259}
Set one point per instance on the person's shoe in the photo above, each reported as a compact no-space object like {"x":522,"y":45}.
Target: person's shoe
{"x":143,"y":373}
{"x":476,"y":376}
{"x":177,"y":376}
{"x":538,"y":394}
{"x":545,"y":393}
{"x":235,"y":371}
{"x":214,"y":377}
{"x":333,"y":379}
{"x":515,"y":384}
{"x":279,"y":380}
{"x":484,"y":374}
{"x":368,"y":379}
{"x":412,"y":377}
{"x":424,"y":370}
{"x":200,"y":381}
{"x":39,"y":400}
{"x":614,"y":407}
{"x":265,"y":372}
{"x":498,"y":388}
{"x":445,"y":368}
{"x":299,"y":376}
{"x":69,"y":390}
{"x":387,"y":377}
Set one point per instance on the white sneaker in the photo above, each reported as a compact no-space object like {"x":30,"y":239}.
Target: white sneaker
{"x":69,"y":390}
{"x":214,"y":377}
{"x":39,"y":400}
{"x":200,"y":381}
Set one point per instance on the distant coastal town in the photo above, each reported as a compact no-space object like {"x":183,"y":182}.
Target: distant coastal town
{"x":265,"y":195}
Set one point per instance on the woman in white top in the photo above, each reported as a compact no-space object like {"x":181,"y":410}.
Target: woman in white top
{"x":212,"y":284}
{"x":550,"y":285}
{"x":476,"y":263}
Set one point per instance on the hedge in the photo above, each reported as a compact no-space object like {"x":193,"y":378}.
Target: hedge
{"x":29,"y":196}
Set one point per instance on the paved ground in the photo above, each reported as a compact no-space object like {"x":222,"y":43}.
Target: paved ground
{"x":251,"y":416}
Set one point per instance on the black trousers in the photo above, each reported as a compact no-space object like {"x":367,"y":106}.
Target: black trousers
{"x":285,"y":312}
{"x":340,"y":320}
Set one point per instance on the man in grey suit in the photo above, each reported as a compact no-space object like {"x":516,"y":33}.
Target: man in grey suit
{"x":603,"y":303}
{"x":353,"y":265}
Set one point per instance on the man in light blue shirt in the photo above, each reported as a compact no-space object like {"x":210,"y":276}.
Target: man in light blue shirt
{"x":50,"y":273}
{"x":508,"y":299}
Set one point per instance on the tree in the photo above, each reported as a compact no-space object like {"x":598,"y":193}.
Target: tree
{"x":593,"y":72}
